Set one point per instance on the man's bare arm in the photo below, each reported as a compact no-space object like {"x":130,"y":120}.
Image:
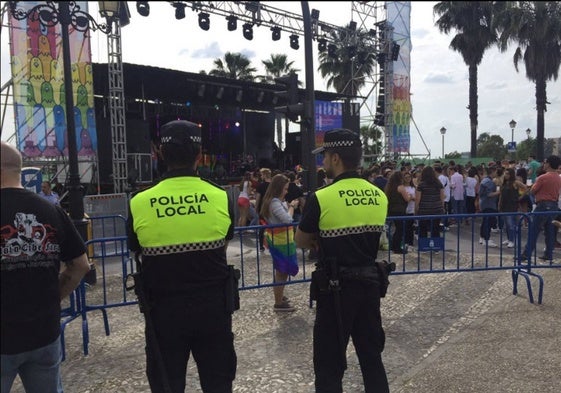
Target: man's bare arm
{"x":71,"y":276}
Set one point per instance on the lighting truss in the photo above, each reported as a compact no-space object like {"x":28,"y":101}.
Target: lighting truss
{"x":266,"y":15}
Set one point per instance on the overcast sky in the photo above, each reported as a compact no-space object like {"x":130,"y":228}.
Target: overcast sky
{"x":439,"y":77}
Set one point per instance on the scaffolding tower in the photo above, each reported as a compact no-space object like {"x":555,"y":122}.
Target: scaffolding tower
{"x":116,"y":101}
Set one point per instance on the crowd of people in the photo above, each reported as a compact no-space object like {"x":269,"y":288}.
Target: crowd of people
{"x":442,"y":188}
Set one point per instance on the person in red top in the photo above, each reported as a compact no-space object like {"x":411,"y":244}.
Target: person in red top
{"x":546,"y":192}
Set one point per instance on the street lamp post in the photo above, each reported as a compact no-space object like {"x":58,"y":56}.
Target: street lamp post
{"x":443,"y":132}
{"x":528,"y":132}
{"x":69,"y":14}
{"x":512,"y":125}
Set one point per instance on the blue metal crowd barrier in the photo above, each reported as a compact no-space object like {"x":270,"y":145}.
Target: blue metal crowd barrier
{"x":105,"y":227}
{"x":104,"y":251}
{"x":253,"y":237}
{"x":456,"y":248}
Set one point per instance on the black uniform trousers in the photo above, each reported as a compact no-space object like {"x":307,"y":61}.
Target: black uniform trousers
{"x":199,"y":325}
{"x":360,"y":309}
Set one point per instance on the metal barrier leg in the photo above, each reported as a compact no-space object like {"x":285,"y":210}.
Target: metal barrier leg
{"x":105,"y":321}
{"x":515,"y":282}
{"x":63,"y":348}
{"x":528,"y":283}
{"x":85,"y":333}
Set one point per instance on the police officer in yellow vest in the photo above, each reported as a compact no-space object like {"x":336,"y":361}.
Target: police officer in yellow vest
{"x":182,"y":225}
{"x":343,"y":222}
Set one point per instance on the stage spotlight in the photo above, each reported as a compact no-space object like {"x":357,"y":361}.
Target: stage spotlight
{"x":232,"y":22}
{"x":294,"y":41}
{"x":204,"y":20}
{"x":143,"y":8}
{"x":276,"y":35}
{"x":248,"y":31}
{"x":314,"y":15}
{"x":352,"y":25}
{"x":179,"y":10}
{"x":322,"y":44}
{"x":351,"y":51}
{"x":252,"y":6}
{"x":331,"y":50}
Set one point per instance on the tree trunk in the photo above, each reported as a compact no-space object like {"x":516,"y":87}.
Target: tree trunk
{"x":541,"y":102}
{"x":473,"y":108}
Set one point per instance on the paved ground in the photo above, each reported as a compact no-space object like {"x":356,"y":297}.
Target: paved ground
{"x":453,"y":332}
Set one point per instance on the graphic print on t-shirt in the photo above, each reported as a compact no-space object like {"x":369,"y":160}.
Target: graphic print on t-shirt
{"x":28,"y":243}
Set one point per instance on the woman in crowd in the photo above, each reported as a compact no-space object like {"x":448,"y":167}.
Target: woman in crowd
{"x":429,"y":200}
{"x":243,"y":199}
{"x":524,"y":200}
{"x":508,"y":203}
{"x":498,"y":180}
{"x":410,"y":210}
{"x":280,"y":240}
{"x":398,"y":197}
{"x":480,"y":176}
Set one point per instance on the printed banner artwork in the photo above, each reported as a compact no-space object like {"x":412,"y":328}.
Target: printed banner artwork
{"x":38,"y":81}
{"x":399,"y":15}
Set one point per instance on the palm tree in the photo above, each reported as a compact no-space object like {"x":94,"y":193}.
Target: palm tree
{"x":350,"y":63}
{"x":277,"y":65}
{"x":473,"y":22}
{"x":234,"y":66}
{"x":535,"y":26}
{"x":352,"y":60}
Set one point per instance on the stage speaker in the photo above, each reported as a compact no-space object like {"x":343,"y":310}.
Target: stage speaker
{"x":138,"y":136}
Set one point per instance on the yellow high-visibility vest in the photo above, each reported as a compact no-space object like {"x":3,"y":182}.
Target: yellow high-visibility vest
{"x":351,"y":206}
{"x":180,"y":214}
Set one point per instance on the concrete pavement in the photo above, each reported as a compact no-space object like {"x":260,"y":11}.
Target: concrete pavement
{"x":452,"y":332}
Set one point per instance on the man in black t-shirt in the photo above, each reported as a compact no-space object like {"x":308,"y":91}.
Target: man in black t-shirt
{"x":36,"y":236}
{"x":294,"y":192}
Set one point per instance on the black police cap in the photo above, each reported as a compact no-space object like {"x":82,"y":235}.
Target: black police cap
{"x":338,"y":138}
{"x":180,"y":132}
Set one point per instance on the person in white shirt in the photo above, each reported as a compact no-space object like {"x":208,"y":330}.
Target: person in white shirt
{"x":457,"y":191}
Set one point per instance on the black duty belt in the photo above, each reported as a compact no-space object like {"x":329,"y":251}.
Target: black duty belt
{"x":358,"y":272}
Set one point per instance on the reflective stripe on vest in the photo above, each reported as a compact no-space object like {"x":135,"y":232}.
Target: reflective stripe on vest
{"x":180,"y":214}
{"x":351,"y":206}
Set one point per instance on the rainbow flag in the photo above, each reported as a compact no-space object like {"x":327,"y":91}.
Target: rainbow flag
{"x":281,"y":245}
